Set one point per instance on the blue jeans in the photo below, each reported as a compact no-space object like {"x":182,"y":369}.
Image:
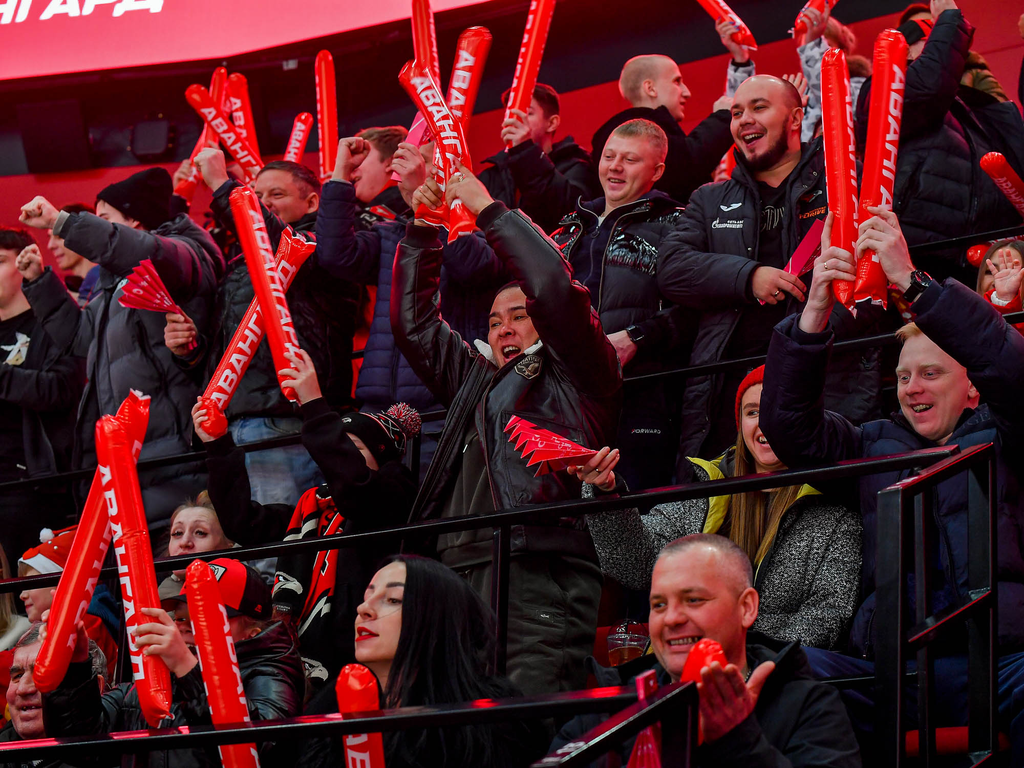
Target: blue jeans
{"x":950,"y":694}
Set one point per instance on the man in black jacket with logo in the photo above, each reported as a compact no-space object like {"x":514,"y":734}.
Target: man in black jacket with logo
{"x":727,"y":258}
{"x":547,"y":360}
{"x":763,"y":708}
{"x":543,"y":178}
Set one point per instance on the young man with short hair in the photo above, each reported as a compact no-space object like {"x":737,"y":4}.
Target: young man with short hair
{"x":80,"y":274}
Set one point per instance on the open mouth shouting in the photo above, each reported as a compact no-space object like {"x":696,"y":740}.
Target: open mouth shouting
{"x":508,"y":351}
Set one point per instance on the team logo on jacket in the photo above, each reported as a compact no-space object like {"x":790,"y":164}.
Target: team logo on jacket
{"x":730,"y":207}
{"x":18,"y":351}
{"x":529,"y":367}
{"x":727,"y":224}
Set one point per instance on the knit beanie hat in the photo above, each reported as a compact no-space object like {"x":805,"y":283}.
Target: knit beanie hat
{"x":52,"y":553}
{"x":756,"y":376}
{"x":916,"y":30}
{"x":144,"y":196}
{"x":385,"y":433}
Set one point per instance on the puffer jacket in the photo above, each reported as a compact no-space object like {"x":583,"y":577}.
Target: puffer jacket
{"x":271,"y":676}
{"x":571,"y":385}
{"x":708,"y":263}
{"x":940,"y":190}
{"x":323,"y":309}
{"x":125,"y":347}
{"x":807,"y":582}
{"x":544,"y":187}
{"x":803,"y":433}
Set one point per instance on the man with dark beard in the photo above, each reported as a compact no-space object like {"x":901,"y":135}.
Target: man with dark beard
{"x":727,"y":256}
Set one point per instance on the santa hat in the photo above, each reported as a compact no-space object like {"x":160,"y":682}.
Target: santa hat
{"x":756,"y":376}
{"x":52,"y":553}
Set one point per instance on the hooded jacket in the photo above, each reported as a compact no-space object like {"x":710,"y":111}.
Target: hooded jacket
{"x":571,"y":384}
{"x":691,"y":158}
{"x":807,"y":581}
{"x":125,"y":348}
{"x":271,"y":676}
{"x":798,"y":721}
{"x":708,"y":264}
{"x":803,"y":433}
{"x":544,"y":187}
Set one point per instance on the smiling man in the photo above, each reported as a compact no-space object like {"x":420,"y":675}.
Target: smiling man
{"x":546,"y":359}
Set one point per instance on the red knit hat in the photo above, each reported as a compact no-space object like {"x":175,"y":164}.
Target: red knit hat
{"x":756,"y":376}
{"x":52,"y":553}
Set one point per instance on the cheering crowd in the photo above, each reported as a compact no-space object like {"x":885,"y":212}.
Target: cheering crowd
{"x":587,"y":276}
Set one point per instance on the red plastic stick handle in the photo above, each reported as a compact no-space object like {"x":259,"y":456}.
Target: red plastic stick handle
{"x":719,"y":10}
{"x":1009,"y":183}
{"x":237,"y":146}
{"x":538,"y":22}
{"x":218,"y":661}
{"x":470,"y":57}
{"x":326,"y":113}
{"x":266,"y":283}
{"x":840,"y":159}
{"x":883,"y":141}
{"x":356,"y":689}
{"x":298,"y":138}
{"x":291,"y":254}
{"x":241,"y":112}
{"x":133,"y":551}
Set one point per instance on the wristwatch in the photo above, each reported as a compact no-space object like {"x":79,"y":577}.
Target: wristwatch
{"x":919,"y":282}
{"x":636,"y":334}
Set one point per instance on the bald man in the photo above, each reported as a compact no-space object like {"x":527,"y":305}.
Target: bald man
{"x":654,"y":87}
{"x":726,"y":260}
{"x":762,"y":708}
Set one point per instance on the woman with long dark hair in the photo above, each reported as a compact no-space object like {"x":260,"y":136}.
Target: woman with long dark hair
{"x":805,"y":549}
{"x":427,"y":636}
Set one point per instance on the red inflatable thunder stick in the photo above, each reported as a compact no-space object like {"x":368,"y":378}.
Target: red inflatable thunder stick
{"x":451,"y":148}
{"x":424,"y":38}
{"x":123,"y":500}
{"x":357,"y":692}
{"x":187,"y":188}
{"x":703,"y":654}
{"x":88,"y":550}
{"x":802,"y":23}
{"x":840,"y":159}
{"x":719,"y":10}
{"x":647,"y":747}
{"x":467,"y":72}
{"x":291,"y":254}
{"x":298,"y":138}
{"x":241,"y":112}
{"x":266,"y":282}
{"x":326,"y":113}
{"x":538,"y":22}
{"x":1009,"y":183}
{"x":218,"y":661}
{"x":884,"y":118}
{"x":219,"y":124}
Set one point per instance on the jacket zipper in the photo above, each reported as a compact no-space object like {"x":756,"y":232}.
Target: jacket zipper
{"x":604,"y":254}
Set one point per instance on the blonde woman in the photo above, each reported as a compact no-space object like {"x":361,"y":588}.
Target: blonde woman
{"x":12,"y":625}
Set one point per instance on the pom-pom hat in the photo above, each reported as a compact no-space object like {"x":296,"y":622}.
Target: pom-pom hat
{"x":385,"y":434}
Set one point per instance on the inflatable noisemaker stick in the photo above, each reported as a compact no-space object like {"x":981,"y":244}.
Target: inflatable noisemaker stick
{"x":356,"y":689}
{"x":840,"y":160}
{"x":291,"y":255}
{"x":802,"y":23}
{"x":241,"y":112}
{"x":703,"y":654}
{"x":647,"y":747}
{"x":326,"y":113}
{"x":1009,"y":183}
{"x":266,"y":282}
{"x":237,"y":146}
{"x":424,"y":38}
{"x":470,"y":56}
{"x":298,"y":138}
{"x":218,"y":661}
{"x":538,"y":22}
{"x":187,"y":188}
{"x":884,"y":118}
{"x":123,"y":500}
{"x":448,"y":134}
{"x":719,"y":10}
{"x":85,"y":560}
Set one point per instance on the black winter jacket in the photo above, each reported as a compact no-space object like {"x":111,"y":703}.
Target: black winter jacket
{"x":941,"y":191}
{"x":544,"y":187}
{"x":125,"y":347}
{"x":271,"y":676}
{"x":571,"y":385}
{"x":802,"y":432}
{"x":691,"y":158}
{"x":797,"y":721}
{"x":10,"y":736}
{"x":708,"y":264}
